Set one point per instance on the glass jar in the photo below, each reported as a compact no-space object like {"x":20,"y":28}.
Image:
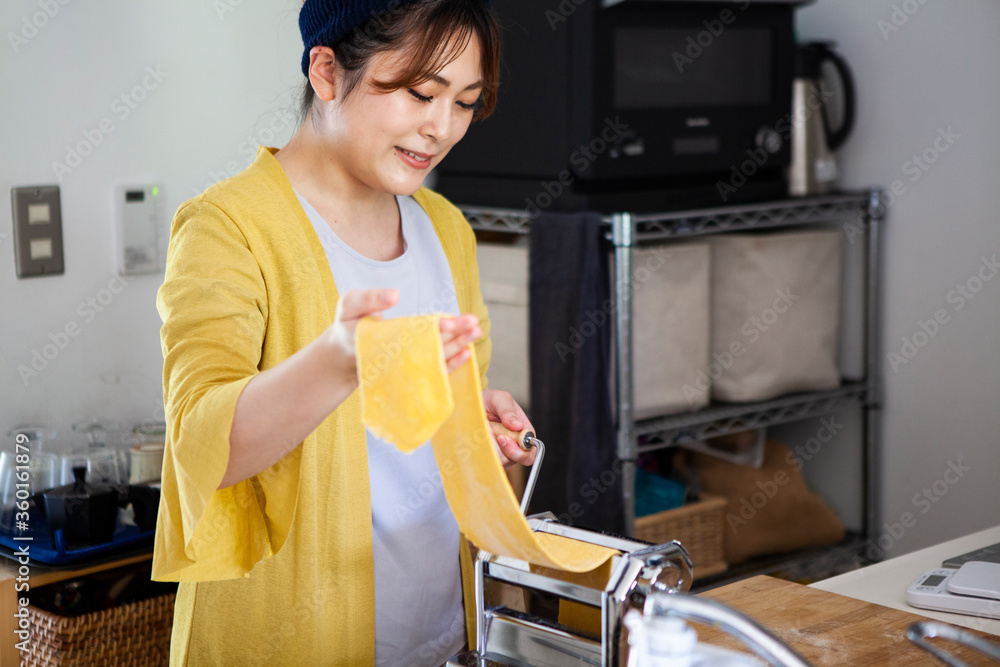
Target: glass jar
{"x":106,"y":465}
{"x":146,"y":456}
{"x":43,"y":466}
{"x":25,"y":468}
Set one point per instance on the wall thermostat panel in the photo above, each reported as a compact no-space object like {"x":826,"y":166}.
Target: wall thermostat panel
{"x":38,"y":241}
{"x":137,"y":228}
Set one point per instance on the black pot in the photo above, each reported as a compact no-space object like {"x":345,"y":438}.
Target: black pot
{"x":86,"y":513}
{"x":145,"y":501}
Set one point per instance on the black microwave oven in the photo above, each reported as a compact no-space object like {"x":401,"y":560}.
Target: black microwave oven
{"x":631,"y":104}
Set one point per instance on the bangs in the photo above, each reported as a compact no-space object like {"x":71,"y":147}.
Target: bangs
{"x":438,"y":34}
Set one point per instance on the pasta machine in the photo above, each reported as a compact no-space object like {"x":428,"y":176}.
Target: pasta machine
{"x":530,"y":615}
{"x":508,"y":636}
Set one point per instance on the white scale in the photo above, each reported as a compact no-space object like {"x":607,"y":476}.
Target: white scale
{"x":973,"y":589}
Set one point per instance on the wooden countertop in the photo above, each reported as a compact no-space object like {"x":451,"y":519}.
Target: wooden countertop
{"x":826,"y":628}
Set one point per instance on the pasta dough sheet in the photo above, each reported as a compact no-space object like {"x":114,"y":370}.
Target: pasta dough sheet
{"x":408,"y":396}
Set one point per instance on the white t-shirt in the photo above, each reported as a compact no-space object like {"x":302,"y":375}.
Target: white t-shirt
{"x":419,"y":615}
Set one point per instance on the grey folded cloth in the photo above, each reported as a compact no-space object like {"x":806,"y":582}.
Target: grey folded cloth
{"x":570,"y":348}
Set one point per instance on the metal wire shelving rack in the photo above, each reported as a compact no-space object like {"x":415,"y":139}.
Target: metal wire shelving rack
{"x":865,"y":209}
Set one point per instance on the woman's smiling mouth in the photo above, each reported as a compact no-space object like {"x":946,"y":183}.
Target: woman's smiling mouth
{"x":414,"y":159}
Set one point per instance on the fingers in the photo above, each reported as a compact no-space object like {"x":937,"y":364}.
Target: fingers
{"x":456,"y":335}
{"x":356,"y":304}
{"x":457,"y":326}
{"x":501,"y":406}
{"x":512,"y":452}
{"x":456,"y":332}
{"x":455,"y":362}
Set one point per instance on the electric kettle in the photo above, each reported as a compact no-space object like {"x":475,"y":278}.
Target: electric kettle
{"x":814,"y":167}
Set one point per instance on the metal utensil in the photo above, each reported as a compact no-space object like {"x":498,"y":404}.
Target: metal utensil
{"x":919,"y":632}
{"x":526,"y":439}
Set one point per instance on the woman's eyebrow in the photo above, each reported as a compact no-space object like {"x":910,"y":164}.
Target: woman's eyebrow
{"x":437,"y":78}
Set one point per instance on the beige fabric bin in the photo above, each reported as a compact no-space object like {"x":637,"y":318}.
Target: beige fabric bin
{"x":503,"y":280}
{"x":775,"y":314}
{"x":670,"y":328}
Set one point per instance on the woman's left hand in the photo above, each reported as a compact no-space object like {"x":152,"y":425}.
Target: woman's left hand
{"x":501,"y":407}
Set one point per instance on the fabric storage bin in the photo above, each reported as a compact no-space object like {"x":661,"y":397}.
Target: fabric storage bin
{"x":768,"y":510}
{"x":670,"y":328}
{"x":698,"y":526}
{"x":132,"y":634}
{"x":503,"y":280}
{"x":775,"y":314}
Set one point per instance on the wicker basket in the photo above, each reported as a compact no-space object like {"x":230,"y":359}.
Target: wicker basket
{"x":133,"y":634}
{"x":697,"y":526}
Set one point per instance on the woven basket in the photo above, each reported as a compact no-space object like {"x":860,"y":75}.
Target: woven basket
{"x":697,"y":526}
{"x":133,"y":634}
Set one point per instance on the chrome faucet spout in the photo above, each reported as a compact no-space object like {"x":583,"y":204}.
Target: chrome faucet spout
{"x":768,"y":647}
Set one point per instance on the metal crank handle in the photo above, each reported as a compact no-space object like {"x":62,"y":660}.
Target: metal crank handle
{"x":526,"y":439}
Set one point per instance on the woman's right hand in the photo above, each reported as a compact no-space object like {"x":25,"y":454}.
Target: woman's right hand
{"x":282,"y":405}
{"x":456,"y":332}
{"x":352,"y":306}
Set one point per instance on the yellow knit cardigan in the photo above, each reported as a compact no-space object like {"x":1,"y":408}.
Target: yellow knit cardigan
{"x":276,"y":569}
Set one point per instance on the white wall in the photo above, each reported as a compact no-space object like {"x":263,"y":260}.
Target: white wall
{"x":228,"y":73}
{"x":942,"y":406}
{"x":230,"y":76}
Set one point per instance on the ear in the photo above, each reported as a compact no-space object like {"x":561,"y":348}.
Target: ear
{"x":322,"y":72}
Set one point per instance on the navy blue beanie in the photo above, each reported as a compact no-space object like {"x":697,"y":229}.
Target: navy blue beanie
{"x":324,"y":22}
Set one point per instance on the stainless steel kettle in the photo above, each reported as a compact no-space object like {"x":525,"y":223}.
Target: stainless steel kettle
{"x":814,"y":167}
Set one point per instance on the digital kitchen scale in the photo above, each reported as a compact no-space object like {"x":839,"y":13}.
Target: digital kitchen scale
{"x":973,"y":589}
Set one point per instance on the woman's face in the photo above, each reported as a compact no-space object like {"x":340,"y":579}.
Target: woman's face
{"x":389,"y":142}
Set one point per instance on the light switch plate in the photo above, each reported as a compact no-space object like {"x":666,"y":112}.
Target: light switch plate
{"x":38,"y":241}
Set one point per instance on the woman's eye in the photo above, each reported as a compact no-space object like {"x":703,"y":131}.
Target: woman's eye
{"x":422,"y":98}
{"x":475,"y":106}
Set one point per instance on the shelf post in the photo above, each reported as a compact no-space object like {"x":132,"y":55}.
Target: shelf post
{"x":622,"y":233}
{"x":874,"y":213}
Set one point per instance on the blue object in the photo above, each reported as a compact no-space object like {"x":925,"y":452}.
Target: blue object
{"x":42,"y":548}
{"x":325,"y":22}
{"x":655,"y":493}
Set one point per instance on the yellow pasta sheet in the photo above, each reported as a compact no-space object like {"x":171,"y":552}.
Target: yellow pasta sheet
{"x":408,"y":396}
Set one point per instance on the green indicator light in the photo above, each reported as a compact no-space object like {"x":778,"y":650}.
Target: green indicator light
{"x":156,"y":191}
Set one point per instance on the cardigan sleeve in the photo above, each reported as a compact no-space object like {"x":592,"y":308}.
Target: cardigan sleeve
{"x":213,"y":304}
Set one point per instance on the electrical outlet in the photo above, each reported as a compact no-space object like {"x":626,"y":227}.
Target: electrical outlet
{"x":38,"y":242}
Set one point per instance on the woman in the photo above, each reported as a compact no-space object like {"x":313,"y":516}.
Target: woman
{"x":299,"y":537}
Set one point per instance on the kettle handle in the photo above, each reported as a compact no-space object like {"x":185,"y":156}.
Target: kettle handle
{"x":835,"y":138}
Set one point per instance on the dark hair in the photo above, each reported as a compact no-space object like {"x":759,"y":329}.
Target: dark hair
{"x":432,"y":33}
